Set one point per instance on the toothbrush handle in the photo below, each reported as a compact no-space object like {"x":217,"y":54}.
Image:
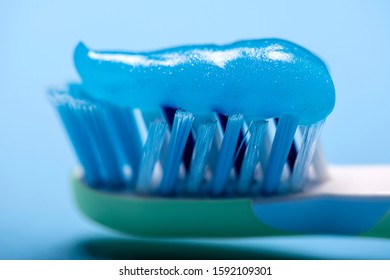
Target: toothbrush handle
{"x":173,"y":217}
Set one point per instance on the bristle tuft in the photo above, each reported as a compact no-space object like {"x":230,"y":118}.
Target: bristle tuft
{"x":226,"y":154}
{"x":252,"y":155}
{"x":305,"y":155}
{"x":284,"y":137}
{"x":200,"y":156}
{"x":150,"y":155}
{"x":170,"y":152}
{"x":181,"y":128}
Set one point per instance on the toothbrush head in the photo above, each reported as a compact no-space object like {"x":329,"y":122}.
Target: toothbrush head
{"x":196,"y":123}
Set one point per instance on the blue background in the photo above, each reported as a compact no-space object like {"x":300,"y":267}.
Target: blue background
{"x":37,"y":216}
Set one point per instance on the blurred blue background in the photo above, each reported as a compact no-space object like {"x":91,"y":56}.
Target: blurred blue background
{"x":37,"y":216}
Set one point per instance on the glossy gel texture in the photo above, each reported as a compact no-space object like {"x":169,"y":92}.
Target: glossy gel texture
{"x":260,"y":79}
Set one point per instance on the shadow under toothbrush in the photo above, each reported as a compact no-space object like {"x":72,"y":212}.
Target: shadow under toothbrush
{"x":148,"y":249}
{"x":298,"y":247}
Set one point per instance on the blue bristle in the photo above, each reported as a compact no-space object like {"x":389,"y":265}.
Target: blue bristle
{"x":100,"y":127}
{"x":181,"y":128}
{"x":226,"y":154}
{"x":305,"y":155}
{"x":241,"y":144}
{"x":284,"y":137}
{"x":96,"y":135}
{"x":169,"y":114}
{"x":292,"y":154}
{"x":82,"y":143}
{"x":204,"y":139}
{"x":150,"y":155}
{"x":252,"y":155}
{"x":123,"y":120}
{"x":108,"y":141}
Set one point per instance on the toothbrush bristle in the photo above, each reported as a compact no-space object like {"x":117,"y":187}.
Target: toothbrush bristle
{"x":283,"y":140}
{"x":125,"y":125}
{"x":121,"y":149}
{"x":83,"y":142}
{"x":226,"y":154}
{"x":181,"y":129}
{"x":205,"y":136}
{"x":252,"y":156}
{"x":292,"y":154}
{"x":150,"y":155}
{"x":305,"y":157}
{"x":241,"y":144}
{"x":169,"y":114}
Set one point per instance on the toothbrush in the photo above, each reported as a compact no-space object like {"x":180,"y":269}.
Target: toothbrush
{"x":213,"y":141}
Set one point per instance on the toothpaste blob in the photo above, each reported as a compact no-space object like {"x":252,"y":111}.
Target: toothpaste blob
{"x":260,"y":79}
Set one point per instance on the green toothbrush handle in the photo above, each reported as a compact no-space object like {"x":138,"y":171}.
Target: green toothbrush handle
{"x":157,"y":217}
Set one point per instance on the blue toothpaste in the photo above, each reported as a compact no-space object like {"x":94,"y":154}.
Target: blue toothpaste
{"x":260,"y":79}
